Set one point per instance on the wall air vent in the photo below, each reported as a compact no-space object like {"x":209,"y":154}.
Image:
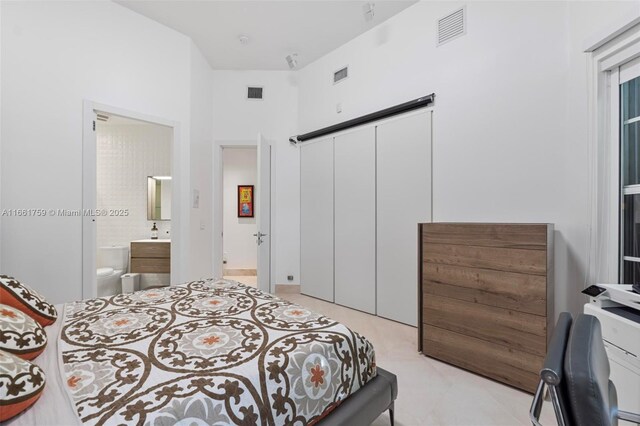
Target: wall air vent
{"x":452,"y":26}
{"x":254,"y":93}
{"x":340,"y":75}
{"x":102,"y":117}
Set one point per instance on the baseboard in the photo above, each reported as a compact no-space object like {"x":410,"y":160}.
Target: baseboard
{"x":240,"y":272}
{"x":288,"y":288}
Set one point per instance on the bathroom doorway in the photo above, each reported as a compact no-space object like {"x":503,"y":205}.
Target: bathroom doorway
{"x":129,"y":202}
{"x":239,"y":174}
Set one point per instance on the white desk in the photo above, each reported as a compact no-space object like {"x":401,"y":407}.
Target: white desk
{"x":621,"y":335}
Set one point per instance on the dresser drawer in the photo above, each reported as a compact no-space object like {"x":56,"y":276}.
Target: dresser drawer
{"x":486,"y":297}
{"x":511,"y":366}
{"x":517,"y":330}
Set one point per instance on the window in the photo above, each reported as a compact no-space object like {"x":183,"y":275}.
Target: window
{"x":614,"y":155}
{"x":630,"y":180}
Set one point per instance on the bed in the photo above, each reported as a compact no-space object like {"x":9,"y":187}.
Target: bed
{"x":214,"y":352}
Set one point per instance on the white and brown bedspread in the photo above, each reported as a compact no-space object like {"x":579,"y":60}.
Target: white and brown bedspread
{"x":209,"y":353}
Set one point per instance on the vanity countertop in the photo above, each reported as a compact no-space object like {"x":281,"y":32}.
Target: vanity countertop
{"x":149,"y":240}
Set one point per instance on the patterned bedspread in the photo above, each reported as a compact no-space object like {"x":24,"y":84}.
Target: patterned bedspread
{"x":212,"y":352}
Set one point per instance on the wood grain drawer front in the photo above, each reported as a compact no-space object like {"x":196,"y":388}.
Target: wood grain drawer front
{"x":486,"y":297}
{"x":497,"y":362}
{"x":153,"y":250}
{"x":522,"y":236}
{"x":504,"y":327}
{"x":509,"y":290}
{"x":494,"y":258}
{"x":150,"y":265}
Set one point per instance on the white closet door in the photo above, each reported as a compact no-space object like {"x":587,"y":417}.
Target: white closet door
{"x":316,"y":219}
{"x":355,"y":219}
{"x":403,"y":201}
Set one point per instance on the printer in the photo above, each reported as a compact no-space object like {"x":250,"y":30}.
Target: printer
{"x":618,"y":309}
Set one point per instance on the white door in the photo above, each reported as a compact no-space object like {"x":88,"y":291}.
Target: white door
{"x":355,"y":219}
{"x":403,"y":200}
{"x":316,"y":219}
{"x":263,"y":214}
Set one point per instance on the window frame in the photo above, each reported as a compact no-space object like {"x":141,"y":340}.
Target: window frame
{"x":605,"y":249}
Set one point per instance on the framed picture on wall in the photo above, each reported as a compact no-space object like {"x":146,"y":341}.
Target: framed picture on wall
{"x":245,"y":200}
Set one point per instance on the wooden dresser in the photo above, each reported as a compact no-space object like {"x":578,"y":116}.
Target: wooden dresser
{"x":486,"y":298}
{"x":151,"y":256}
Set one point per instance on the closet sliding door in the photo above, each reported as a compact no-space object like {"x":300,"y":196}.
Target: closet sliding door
{"x":403,"y":200}
{"x":355,"y":219}
{"x":316,"y":219}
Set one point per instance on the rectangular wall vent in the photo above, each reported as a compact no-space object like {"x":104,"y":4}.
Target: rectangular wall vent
{"x":340,"y":75}
{"x":452,"y":26}
{"x":254,"y":93}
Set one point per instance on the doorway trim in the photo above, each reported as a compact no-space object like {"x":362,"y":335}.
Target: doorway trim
{"x":218,"y":211}
{"x":179,"y":219}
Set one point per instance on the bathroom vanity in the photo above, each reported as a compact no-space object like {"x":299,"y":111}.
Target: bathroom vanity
{"x":151,"y":256}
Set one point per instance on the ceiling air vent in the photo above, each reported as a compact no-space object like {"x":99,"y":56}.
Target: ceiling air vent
{"x":452,"y":26}
{"x":254,"y":93}
{"x":340,"y":75}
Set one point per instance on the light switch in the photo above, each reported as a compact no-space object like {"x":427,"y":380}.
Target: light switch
{"x":339,"y":107}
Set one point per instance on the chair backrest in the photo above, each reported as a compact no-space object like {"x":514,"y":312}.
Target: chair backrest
{"x":576,"y":373}
{"x":552,"y":372}
{"x":591,"y":395}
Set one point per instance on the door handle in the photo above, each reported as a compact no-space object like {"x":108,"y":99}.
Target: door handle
{"x":259,"y":236}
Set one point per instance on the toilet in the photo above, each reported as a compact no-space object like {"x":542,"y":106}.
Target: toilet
{"x":112,"y":263}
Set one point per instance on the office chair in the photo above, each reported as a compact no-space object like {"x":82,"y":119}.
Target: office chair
{"x":576,"y":373}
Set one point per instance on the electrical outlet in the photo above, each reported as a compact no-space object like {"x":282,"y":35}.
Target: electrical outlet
{"x":290,"y":277}
{"x":339,"y":108}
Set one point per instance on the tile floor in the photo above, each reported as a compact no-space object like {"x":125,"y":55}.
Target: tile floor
{"x":244,"y":279}
{"x":430,"y":392}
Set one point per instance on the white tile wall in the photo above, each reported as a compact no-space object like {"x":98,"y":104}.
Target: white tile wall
{"x":126,"y":156}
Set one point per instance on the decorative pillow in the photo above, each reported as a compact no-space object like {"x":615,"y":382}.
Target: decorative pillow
{"x":21,"y":384}
{"x":22,"y":297}
{"x":20,"y":335}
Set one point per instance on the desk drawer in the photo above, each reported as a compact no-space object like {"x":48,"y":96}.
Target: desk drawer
{"x":616,"y":330}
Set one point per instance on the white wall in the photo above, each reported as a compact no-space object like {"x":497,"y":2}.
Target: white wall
{"x":237,"y":119}
{"x":54,"y":56}
{"x":239,"y":244}
{"x":510,"y":113}
{"x":201,"y":166}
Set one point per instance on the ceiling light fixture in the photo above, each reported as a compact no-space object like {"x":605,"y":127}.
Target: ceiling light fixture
{"x":292,"y":60}
{"x":368,"y":9}
{"x":244,"y":39}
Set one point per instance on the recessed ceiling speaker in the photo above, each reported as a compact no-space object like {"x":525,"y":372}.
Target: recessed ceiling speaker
{"x":292,"y":60}
{"x":368,"y":9}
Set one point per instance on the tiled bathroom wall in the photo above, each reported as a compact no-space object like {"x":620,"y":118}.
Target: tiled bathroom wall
{"x":126,"y":155}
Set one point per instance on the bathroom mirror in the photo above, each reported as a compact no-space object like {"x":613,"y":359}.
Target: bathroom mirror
{"x":159,"y":198}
